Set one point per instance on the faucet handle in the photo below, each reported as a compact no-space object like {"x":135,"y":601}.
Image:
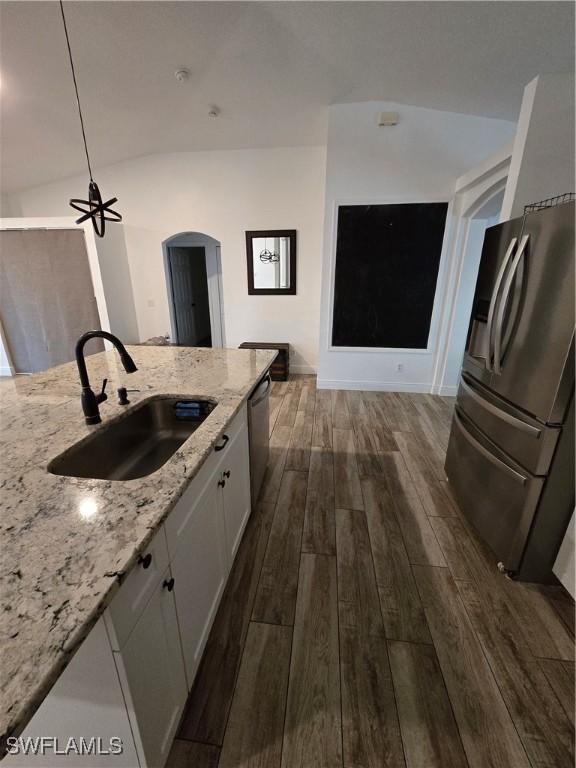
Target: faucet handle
{"x":102,"y":396}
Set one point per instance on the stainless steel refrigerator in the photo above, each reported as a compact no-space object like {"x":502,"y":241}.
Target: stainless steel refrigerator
{"x":510,"y":459}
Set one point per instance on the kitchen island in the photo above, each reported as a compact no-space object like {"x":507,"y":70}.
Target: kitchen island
{"x":68,"y":543}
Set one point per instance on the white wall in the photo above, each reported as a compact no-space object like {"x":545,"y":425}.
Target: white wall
{"x":7,"y":206}
{"x":418,"y":160}
{"x":115,"y":271}
{"x":543,"y":157}
{"x":565,"y":565}
{"x":5,"y":369}
{"x":221,"y":194}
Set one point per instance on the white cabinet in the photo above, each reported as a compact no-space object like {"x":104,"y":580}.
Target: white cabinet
{"x":200,"y":569}
{"x":203,"y":532}
{"x":235,"y":474}
{"x":130,"y":679}
{"x":151,"y":672}
{"x":159,"y":659}
{"x":136,"y":591}
{"x":85,"y":702}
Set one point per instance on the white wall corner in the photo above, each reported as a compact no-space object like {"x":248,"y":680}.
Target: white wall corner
{"x":519,"y":145}
{"x":542,"y":164}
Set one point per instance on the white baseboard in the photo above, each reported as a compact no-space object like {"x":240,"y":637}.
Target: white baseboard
{"x":302,"y":368}
{"x":448,"y":391}
{"x":5,"y":371}
{"x":375,"y":386}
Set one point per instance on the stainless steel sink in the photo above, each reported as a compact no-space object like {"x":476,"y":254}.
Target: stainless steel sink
{"x":137,"y":444}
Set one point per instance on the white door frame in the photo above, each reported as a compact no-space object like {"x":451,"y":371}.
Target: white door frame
{"x":473,"y":190}
{"x":213,"y":274}
{"x":65,"y":222}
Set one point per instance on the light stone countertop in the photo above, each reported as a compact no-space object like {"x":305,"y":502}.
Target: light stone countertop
{"x":59,"y":569}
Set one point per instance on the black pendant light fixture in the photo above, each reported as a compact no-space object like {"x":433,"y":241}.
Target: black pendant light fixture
{"x":93,"y":208}
{"x":267,"y":256}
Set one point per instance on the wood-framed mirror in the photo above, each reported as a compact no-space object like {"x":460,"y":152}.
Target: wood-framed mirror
{"x":271,"y":262}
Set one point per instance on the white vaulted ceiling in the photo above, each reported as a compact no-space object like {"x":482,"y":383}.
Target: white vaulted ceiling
{"x":272,"y":68}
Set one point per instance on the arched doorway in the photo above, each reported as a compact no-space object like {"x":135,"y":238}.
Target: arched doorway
{"x":193,"y":281}
{"x":485,"y":215}
{"x":477,"y":205}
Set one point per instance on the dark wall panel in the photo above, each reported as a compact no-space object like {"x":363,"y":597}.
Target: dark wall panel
{"x":387,"y":259}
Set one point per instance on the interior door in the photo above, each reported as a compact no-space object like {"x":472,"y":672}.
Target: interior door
{"x":191,"y":304}
{"x":500,"y":243}
{"x":182,"y":296}
{"x":46,"y":296}
{"x":534,"y":325}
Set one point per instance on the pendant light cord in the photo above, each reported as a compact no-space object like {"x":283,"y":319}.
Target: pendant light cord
{"x":76,"y":89}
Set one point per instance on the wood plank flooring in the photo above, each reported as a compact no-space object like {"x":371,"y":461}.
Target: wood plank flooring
{"x":364,"y":624}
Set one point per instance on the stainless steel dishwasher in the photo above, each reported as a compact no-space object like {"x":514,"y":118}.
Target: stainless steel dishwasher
{"x":258,"y":426}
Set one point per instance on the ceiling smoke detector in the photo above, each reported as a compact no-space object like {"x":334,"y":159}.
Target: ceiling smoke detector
{"x":182,"y":75}
{"x":386,"y":119}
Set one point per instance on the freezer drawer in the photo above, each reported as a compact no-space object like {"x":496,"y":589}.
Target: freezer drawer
{"x":529,"y":442}
{"x":495,"y":493}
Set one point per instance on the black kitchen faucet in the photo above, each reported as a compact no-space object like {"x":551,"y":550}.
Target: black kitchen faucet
{"x":90,"y":401}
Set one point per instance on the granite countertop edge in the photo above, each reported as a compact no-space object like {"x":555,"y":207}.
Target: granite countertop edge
{"x":14,"y":719}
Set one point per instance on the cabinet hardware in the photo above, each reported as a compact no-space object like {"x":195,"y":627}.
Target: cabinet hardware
{"x":145,"y":560}
{"x":168,"y":584}
{"x":221,"y":447}
{"x":221,"y":483}
{"x":227,"y":473}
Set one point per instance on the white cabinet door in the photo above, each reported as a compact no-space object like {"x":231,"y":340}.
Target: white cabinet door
{"x":152,"y":674}
{"x":86,"y":703}
{"x":235,"y":471}
{"x":200,"y":570}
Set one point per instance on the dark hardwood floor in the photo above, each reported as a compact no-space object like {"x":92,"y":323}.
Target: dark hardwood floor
{"x":364,"y":624}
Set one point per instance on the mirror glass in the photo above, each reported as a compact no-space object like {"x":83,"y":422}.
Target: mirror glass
{"x":271,"y":258}
{"x":271,"y":262}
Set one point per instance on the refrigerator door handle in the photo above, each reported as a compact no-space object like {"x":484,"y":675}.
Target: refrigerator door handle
{"x":497,"y":366}
{"x":494,"y":301}
{"x":486,"y":453}
{"x":500,"y":414}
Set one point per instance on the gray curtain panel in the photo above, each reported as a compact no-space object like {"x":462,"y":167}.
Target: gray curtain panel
{"x":46,"y":296}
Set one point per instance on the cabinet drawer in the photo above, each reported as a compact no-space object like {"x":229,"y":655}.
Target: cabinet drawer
{"x":124,"y":610}
{"x":181,"y":516}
